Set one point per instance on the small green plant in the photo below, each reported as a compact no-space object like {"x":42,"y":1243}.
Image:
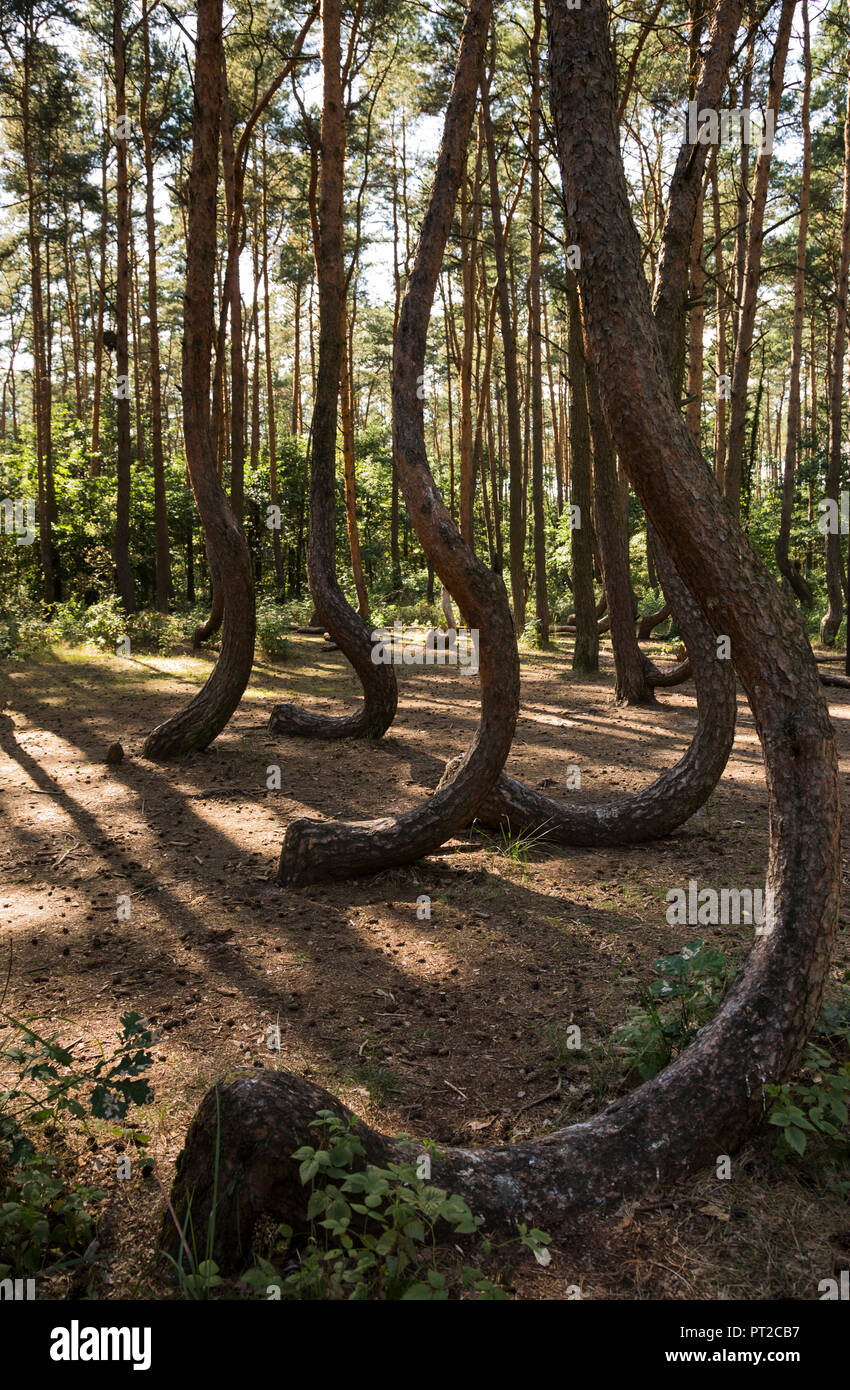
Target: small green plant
{"x":373,"y":1231}
{"x":516,"y":845}
{"x":379,"y":1081}
{"x":816,"y":1106}
{"x":562,"y":1052}
{"x":45,"y":1219}
{"x":673,"y":1008}
{"x":816,"y":1102}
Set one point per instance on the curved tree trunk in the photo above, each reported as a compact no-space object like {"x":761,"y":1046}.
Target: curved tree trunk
{"x":650,"y":621}
{"x":709,"y":1099}
{"x":211,"y":624}
{"x":319,"y":849}
{"x":346,"y":627}
{"x":683,"y":789}
{"x":196,"y":726}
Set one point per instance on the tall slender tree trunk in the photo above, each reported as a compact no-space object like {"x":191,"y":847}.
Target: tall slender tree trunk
{"x":271,"y":417}
{"x":834,"y":564}
{"x":163,"y":550}
{"x":535,"y":329}
{"x":791,"y":572}
{"x":41,"y":379}
{"x":121,"y":544}
{"x":631,"y":685}
{"x":350,"y":482}
{"x":748,"y":291}
{"x":586,"y":647}
{"x":516,"y":528}
{"x":693,"y":412}
{"x":721,"y":321}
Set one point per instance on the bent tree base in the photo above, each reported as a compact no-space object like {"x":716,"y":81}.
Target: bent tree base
{"x":313,"y":850}
{"x":674,"y":796}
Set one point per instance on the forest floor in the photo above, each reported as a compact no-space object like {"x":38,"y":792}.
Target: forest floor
{"x":451,"y":1028}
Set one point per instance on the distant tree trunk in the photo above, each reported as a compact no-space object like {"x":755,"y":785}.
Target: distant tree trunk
{"x":631,"y":686}
{"x":97,"y":387}
{"x":163,"y":553}
{"x":834,"y":564}
{"x":693,"y":412}
{"x":41,"y":378}
{"x":791,"y":572}
{"x":347,"y":429}
{"x":743,"y":199}
{"x":395,"y":554}
{"x":535,"y":330}
{"x":255,"y":334}
{"x":121,"y":544}
{"x":586,"y":647}
{"x":721,"y":320}
{"x":516,"y":525}
{"x":236,"y":237}
{"x":271,"y":418}
{"x":748,"y":291}
{"x":469,"y":223}
{"x":203,"y":719}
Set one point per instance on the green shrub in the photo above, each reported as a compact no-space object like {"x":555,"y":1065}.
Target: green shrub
{"x":46,"y":1219}
{"x":10,"y":638}
{"x":105,"y":623}
{"x":272,"y":629}
{"x":817,"y":1101}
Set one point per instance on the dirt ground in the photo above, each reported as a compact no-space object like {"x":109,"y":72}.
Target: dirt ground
{"x":450,"y":1028}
